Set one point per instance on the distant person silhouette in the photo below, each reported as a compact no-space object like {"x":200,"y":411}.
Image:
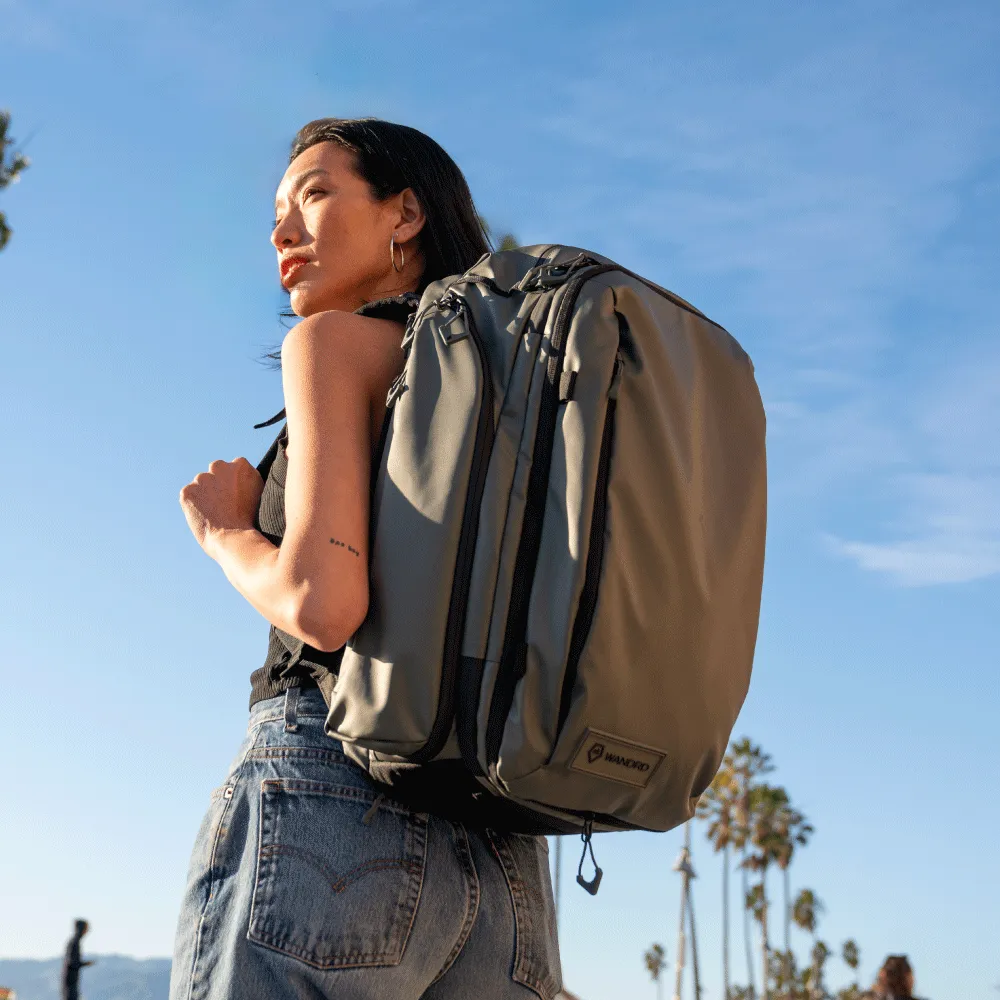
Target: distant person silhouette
{"x":894,"y":980}
{"x":72,"y":963}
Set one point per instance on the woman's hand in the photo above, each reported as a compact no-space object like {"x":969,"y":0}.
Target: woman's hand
{"x":224,"y":498}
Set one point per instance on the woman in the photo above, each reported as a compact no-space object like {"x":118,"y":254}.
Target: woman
{"x":306,"y":878}
{"x":894,"y":980}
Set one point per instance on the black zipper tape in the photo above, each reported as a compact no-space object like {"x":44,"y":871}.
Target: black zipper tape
{"x":512,"y":659}
{"x":451,"y":659}
{"x":373,"y":481}
{"x":592,"y":576}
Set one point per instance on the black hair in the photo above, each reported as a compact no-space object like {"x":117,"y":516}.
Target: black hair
{"x":893,"y":978}
{"x":391,"y":158}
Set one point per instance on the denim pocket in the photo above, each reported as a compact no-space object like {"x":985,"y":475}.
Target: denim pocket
{"x":525,"y":864}
{"x":338,"y":878}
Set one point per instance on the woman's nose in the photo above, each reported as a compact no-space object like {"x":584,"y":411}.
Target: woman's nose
{"x":285,"y":234}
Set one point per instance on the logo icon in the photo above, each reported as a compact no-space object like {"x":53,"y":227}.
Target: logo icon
{"x":595,"y":752}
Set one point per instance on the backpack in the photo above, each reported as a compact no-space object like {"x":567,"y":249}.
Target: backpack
{"x":566,"y":550}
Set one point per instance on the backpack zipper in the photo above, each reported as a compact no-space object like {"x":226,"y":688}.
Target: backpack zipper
{"x":455,"y":628}
{"x":512,"y":659}
{"x":595,"y":556}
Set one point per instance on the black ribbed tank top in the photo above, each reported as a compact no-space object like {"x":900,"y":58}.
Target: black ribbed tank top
{"x":291,"y":662}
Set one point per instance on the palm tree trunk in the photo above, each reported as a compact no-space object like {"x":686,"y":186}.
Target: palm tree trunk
{"x":764,"y":972}
{"x":788,"y":930}
{"x":814,"y":986}
{"x":748,"y":944}
{"x":679,"y":972}
{"x":725,"y":921}
{"x":694,"y":949}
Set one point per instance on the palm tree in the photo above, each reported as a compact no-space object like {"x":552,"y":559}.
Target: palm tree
{"x":656,"y":961}
{"x":806,"y":912}
{"x":788,"y":983}
{"x":10,"y":169}
{"x":792,"y":831}
{"x":717,"y":807}
{"x":694,"y":949}
{"x":507,"y":241}
{"x":766,"y":806}
{"x":748,"y":763}
{"x":820,"y":953}
{"x":686,"y":870}
{"x":851,"y":954}
{"x":852,"y":992}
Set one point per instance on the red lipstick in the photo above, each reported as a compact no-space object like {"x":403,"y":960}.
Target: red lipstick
{"x":290,"y":265}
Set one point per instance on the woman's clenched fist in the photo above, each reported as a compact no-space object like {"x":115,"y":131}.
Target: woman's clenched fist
{"x":227,"y":496}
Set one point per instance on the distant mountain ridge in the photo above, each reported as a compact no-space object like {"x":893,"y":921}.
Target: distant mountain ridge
{"x":111,"y":977}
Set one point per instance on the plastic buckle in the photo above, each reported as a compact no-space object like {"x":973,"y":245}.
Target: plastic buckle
{"x":453,"y":330}
{"x":547,"y":276}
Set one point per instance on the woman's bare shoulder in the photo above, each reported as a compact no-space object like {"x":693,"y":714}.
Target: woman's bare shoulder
{"x":368,"y":341}
{"x":345,"y":328}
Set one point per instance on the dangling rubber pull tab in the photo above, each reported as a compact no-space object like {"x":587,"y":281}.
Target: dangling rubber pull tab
{"x":595,"y":883}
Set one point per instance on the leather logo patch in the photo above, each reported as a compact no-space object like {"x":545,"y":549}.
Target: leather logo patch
{"x":609,"y":757}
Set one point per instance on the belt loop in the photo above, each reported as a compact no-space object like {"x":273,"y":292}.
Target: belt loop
{"x":291,"y":709}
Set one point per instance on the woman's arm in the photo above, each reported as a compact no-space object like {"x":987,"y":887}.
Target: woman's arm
{"x":335,"y":366}
{"x":337,"y":369}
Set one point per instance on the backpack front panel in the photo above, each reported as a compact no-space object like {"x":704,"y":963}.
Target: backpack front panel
{"x":388,"y":693}
{"x":666,"y":660}
{"x":568,"y":506}
{"x":509,"y":461}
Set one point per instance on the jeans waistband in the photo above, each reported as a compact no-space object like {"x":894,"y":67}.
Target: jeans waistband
{"x":291,"y":706}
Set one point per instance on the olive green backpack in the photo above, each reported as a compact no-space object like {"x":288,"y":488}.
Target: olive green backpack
{"x":567,"y":550}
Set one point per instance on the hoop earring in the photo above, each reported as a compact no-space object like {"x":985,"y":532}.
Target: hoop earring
{"x":392,"y":255}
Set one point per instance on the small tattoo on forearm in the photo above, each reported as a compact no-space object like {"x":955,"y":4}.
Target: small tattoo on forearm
{"x":344,"y":545}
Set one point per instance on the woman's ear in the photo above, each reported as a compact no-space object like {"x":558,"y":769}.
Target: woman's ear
{"x":411,"y":216}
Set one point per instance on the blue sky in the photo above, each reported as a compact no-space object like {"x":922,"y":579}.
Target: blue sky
{"x":823,"y":180}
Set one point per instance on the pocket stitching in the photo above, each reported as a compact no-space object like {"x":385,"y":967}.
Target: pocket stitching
{"x":298,"y":753}
{"x":413,"y":864}
{"x":340,"y":884}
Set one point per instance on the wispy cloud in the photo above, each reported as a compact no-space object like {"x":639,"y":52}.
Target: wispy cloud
{"x":957,"y":536}
{"x":947,"y":529}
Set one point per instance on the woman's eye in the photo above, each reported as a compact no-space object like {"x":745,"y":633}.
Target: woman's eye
{"x":311,"y":191}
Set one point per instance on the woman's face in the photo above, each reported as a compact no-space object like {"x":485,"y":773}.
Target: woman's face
{"x":333,"y":238}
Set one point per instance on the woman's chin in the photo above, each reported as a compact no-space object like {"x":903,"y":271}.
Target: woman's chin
{"x":305,"y":300}
{"x":302,"y":299}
